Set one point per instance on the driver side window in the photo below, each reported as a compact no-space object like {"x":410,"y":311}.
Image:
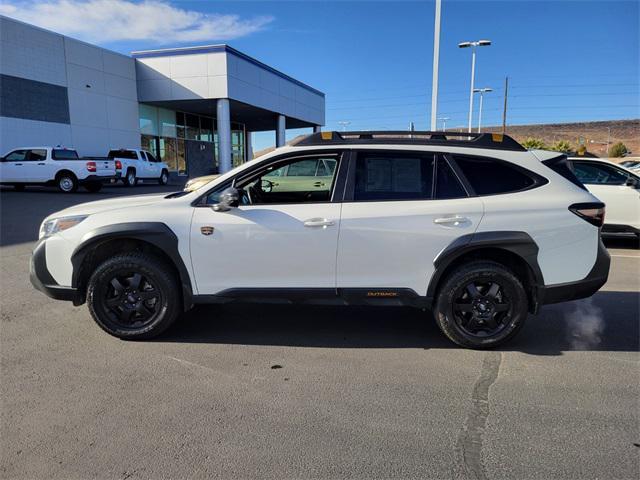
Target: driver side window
{"x":292,"y":181}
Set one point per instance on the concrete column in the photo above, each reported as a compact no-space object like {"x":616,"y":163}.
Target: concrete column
{"x":317,"y":129}
{"x":223,"y":120}
{"x":280,"y":131}
{"x":249,"y":143}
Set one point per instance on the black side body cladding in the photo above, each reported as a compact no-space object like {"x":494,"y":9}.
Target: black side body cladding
{"x":155,"y":233}
{"x":42,"y":280}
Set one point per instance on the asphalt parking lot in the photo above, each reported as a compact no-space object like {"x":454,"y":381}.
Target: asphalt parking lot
{"x":311,"y":392}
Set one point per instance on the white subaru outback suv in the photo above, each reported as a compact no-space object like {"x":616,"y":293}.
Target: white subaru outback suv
{"x":471,"y":227}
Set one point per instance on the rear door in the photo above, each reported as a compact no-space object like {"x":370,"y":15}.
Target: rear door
{"x":402,"y":209}
{"x":40,"y":168}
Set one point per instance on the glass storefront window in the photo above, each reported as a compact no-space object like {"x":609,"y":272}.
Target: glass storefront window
{"x":149,"y":143}
{"x":180,"y":128}
{"x":148,"y":116}
{"x":167,"y":121}
{"x":206,"y":129}
{"x":168,"y":147}
{"x":193,"y":126}
{"x":181,"y":158}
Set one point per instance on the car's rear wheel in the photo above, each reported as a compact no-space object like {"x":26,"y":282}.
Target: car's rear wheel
{"x":133,"y":296}
{"x":67,"y":182}
{"x":164,"y":178}
{"x":481,"y":305}
{"x":130,"y":178}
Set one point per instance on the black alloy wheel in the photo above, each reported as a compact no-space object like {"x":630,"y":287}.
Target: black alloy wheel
{"x":481,"y":304}
{"x":481,"y":308}
{"x":134,"y":296}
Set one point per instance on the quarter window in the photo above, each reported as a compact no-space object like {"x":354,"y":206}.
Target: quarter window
{"x":490,"y":177}
{"x":385,"y":177}
{"x":595,"y":173}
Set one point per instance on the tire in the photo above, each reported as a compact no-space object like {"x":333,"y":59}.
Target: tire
{"x":67,"y":182}
{"x":93,"y":187}
{"x":18,"y":187}
{"x":481,"y":305}
{"x":133,"y":296}
{"x":164,"y":178}
{"x":130,"y":178}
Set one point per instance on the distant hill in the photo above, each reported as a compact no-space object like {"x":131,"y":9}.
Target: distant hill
{"x":625,"y":131}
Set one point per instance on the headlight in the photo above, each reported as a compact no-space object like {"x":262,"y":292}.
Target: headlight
{"x":55,"y":225}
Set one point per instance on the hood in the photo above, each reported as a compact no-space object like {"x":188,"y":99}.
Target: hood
{"x":111,"y":204}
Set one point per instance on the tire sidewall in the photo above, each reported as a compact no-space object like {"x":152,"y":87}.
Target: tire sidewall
{"x":72,"y":181}
{"x":130,"y":178}
{"x":99,"y":283}
{"x":513,"y":290}
{"x":164,"y":178}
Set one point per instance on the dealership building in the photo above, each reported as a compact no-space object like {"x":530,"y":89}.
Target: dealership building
{"x":193,"y":107}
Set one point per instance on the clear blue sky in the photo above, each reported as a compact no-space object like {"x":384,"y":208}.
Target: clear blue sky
{"x":566,"y":60}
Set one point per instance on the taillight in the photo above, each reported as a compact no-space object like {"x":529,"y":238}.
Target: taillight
{"x":91,"y":166}
{"x":118,"y":165}
{"x":591,"y":212}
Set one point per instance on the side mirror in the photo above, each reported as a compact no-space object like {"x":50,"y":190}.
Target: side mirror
{"x":632,"y":182}
{"x":229,"y":199}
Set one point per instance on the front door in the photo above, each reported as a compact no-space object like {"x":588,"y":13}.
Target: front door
{"x":14,"y":167}
{"x":273,"y":239}
{"x":399,"y":218}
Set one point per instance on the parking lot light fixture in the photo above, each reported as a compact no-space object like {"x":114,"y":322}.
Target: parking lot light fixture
{"x":473,"y":45}
{"x":481,"y":91}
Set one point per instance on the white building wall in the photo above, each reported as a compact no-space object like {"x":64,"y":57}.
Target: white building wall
{"x":101,"y":90}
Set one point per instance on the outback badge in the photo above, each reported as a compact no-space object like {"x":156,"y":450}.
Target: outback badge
{"x":206,"y":230}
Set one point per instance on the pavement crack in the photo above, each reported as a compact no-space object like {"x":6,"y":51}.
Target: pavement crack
{"x":468,"y":450}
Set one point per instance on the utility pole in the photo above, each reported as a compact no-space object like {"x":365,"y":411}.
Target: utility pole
{"x":436,"y":60}
{"x":504,"y":110}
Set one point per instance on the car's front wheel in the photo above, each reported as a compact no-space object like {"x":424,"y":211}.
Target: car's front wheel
{"x":164,"y":178}
{"x":481,"y":305}
{"x":133,"y":296}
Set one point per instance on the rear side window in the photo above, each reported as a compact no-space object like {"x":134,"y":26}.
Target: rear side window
{"x":488,"y":176}
{"x":64,"y":154}
{"x":384,"y":177}
{"x":37,"y":155}
{"x":598,"y":173}
{"x":128,"y":154}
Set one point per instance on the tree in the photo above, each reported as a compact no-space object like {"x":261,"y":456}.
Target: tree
{"x":618,"y":150}
{"x":534,"y":144}
{"x":562,"y":146}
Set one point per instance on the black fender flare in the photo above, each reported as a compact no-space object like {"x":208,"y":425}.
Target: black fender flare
{"x":157,"y":234}
{"x":518,"y":243}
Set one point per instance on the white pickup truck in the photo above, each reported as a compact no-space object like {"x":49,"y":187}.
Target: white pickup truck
{"x":133,"y":164}
{"x":58,"y":166}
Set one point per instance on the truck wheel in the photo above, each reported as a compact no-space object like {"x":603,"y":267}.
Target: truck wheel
{"x":93,"y":187}
{"x":481,"y":305}
{"x":133,"y":296}
{"x":164,"y":178}
{"x":130,"y":178}
{"x":67,"y":182}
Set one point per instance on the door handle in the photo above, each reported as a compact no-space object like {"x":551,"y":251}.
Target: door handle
{"x":18,"y":164}
{"x":318,"y":222}
{"x":454,"y":220}
{"x":41,"y":164}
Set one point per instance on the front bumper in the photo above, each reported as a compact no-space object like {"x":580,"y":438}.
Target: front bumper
{"x":584,"y":288}
{"x":42,"y":280}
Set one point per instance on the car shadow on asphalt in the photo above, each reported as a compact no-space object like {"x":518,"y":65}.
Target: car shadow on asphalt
{"x":606,"y":322}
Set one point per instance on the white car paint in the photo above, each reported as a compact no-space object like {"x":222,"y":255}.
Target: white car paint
{"x":145,"y":165}
{"x":360,"y":245}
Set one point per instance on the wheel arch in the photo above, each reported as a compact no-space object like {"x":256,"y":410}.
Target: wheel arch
{"x":65,"y":171}
{"x":516,"y":250}
{"x":153,"y":237}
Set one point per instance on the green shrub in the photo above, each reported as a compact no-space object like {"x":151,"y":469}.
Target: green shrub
{"x":534,"y":144}
{"x":618,"y":150}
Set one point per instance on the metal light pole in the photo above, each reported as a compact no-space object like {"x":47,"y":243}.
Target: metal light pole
{"x":473,"y":45}
{"x":481,"y":91}
{"x":444,"y":122}
{"x":436,"y":59}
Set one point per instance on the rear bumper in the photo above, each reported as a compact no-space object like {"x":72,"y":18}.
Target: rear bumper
{"x":584,"y":288}
{"x":97,"y":178}
{"x":42,"y":280}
